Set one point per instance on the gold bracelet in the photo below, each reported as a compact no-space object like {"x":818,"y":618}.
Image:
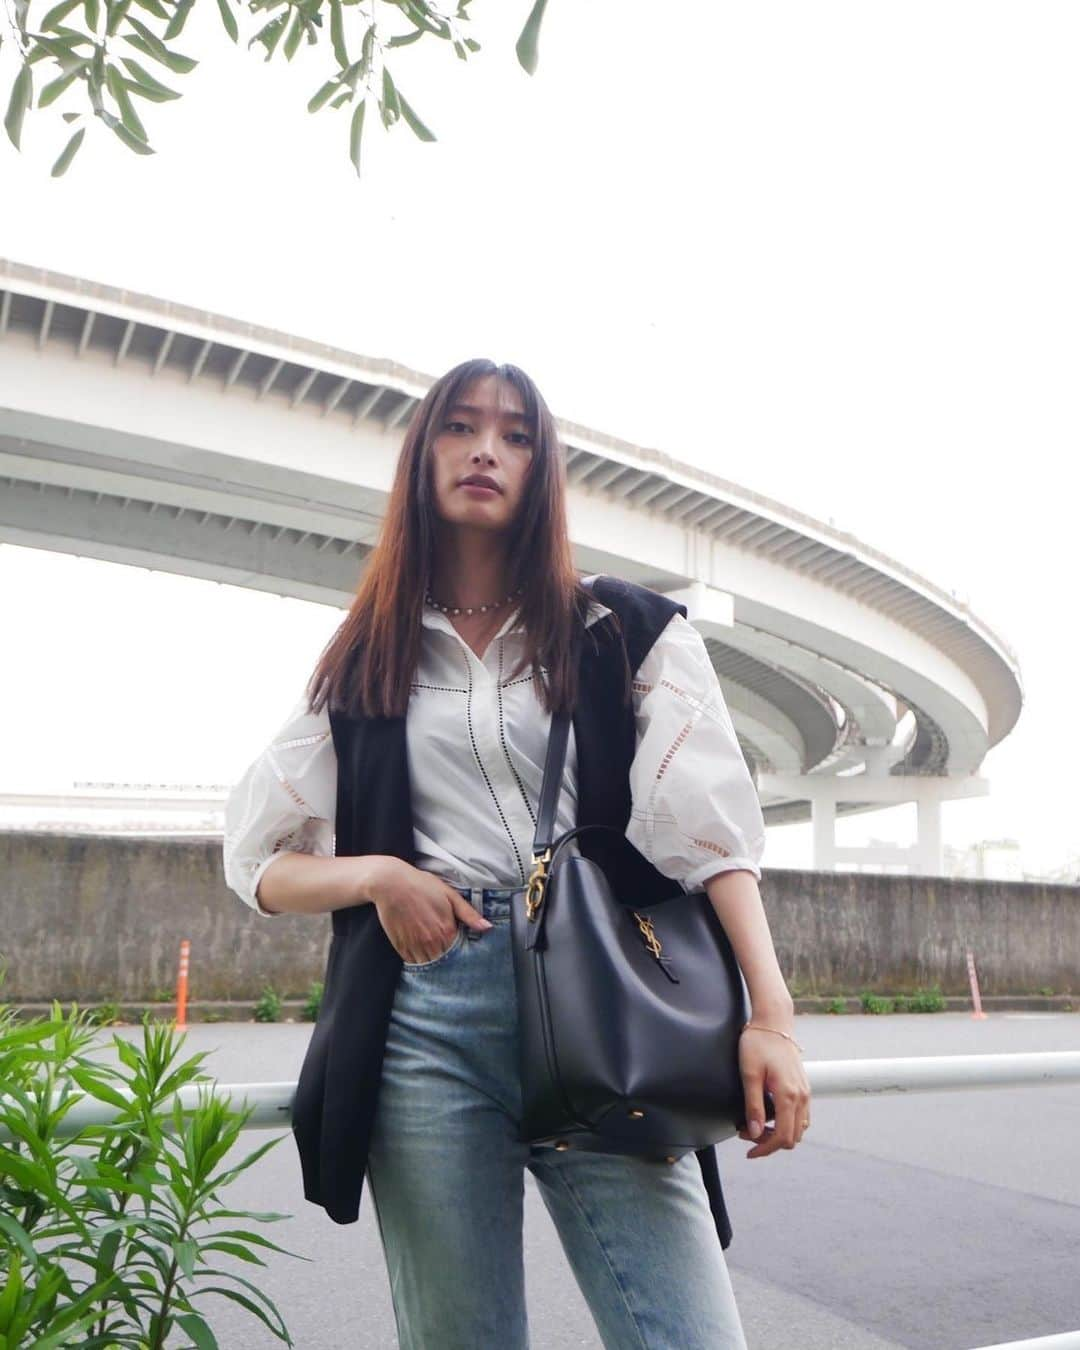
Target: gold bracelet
{"x":758,"y":1027}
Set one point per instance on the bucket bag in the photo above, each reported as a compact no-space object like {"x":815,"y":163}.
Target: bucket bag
{"x":629,"y":1021}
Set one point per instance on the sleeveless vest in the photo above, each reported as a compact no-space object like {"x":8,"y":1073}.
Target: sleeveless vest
{"x":334,"y":1104}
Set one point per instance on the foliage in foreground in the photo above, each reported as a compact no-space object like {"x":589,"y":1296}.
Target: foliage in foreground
{"x":361,"y":38}
{"x":105,"y":1233}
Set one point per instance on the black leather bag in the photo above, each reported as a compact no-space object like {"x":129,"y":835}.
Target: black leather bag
{"x":629,"y":1021}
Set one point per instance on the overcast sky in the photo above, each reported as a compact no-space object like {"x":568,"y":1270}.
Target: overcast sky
{"x":827,"y":251}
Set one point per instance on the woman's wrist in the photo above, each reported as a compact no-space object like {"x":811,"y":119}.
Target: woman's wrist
{"x":773,"y":1009}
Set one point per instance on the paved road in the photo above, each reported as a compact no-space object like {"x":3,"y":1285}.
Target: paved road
{"x":937,"y":1221}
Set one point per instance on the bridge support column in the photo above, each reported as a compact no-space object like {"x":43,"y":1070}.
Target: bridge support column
{"x":925,"y":857}
{"x":929,"y":851}
{"x":823,"y":816}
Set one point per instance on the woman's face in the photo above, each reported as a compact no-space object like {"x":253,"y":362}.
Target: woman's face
{"x":483,"y":433}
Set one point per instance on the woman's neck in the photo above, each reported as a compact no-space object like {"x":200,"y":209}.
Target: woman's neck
{"x":468,"y":572}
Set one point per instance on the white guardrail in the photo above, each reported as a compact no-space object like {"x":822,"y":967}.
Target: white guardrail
{"x":272,"y":1103}
{"x":1066,"y":1340}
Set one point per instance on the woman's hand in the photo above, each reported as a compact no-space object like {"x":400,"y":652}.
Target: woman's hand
{"x":771,"y":1063}
{"x":419,"y":911}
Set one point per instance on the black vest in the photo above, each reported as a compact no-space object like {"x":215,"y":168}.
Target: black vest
{"x":334,"y":1105}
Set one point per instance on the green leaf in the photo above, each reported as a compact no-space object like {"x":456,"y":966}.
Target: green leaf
{"x":18,"y":1234}
{"x":62,"y":53}
{"x":9,"y":1295}
{"x":55,"y":88}
{"x":337,"y":34}
{"x":29,"y":1175}
{"x":258,"y":1293}
{"x":106,"y":1254}
{"x":198,"y":1330}
{"x":22,"y":94}
{"x":118,"y":88}
{"x":270,"y":34}
{"x":228,"y":18}
{"x":57,"y":13}
{"x":403,"y":39}
{"x":179,"y":18}
{"x":154,"y":8}
{"x":418,"y":127}
{"x":351,"y":74}
{"x":129,"y":138}
{"x":145,"y":85}
{"x":418,"y":13}
{"x":186,"y":1252}
{"x":265,"y":1216}
{"x":117,"y":11}
{"x":527,"y":48}
{"x":234,"y":1249}
{"x":127,"y":1052}
{"x":296,"y":32}
{"x":71,"y":37}
{"x":389,"y":106}
{"x":49,"y":1285}
{"x":247,"y":1236}
{"x":85,"y":1078}
{"x":67,"y":154}
{"x":356,"y":131}
{"x":325,"y":92}
{"x":244,"y":1302}
{"x":174,"y":60}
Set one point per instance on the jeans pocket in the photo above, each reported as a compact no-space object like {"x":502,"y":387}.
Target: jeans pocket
{"x":459,"y":938}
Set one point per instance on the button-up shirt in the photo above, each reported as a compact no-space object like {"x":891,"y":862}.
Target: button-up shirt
{"x":476,"y":743}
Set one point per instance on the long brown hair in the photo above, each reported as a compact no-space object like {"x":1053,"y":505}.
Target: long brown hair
{"x":367,"y":666}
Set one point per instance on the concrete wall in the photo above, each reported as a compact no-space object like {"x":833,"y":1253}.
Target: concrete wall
{"x":89,"y":918}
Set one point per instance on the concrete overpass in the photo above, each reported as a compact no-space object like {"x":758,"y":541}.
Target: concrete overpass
{"x":142,"y":431}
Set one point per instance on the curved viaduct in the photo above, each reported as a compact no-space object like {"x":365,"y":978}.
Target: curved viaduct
{"x":146,"y":432}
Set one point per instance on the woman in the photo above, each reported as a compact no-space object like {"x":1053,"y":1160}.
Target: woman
{"x":400,"y":797}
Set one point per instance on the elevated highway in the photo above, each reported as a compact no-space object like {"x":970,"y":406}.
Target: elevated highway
{"x":142,"y":431}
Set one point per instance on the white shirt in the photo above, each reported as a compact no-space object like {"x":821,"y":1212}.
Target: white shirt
{"x":476,"y":743}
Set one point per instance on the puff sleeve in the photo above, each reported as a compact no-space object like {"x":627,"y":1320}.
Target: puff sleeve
{"x":694,"y":807}
{"x":286,"y":801}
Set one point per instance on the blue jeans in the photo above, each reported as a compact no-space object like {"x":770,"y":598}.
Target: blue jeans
{"x":446,"y":1175}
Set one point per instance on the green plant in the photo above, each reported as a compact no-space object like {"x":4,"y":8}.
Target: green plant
{"x":359,"y":40}
{"x":105,"y":1014}
{"x":874,"y":1003}
{"x":1046,"y":991}
{"x":211,"y":1016}
{"x":926,"y":1001}
{"x":160,"y":995}
{"x":309,"y":1012}
{"x":268,"y":1008}
{"x":835,"y":1005}
{"x":104,"y":1237}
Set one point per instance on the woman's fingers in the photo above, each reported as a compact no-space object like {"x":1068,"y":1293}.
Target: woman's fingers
{"x":753,"y":1077}
{"x":778,"y":1070}
{"x":466,"y":911}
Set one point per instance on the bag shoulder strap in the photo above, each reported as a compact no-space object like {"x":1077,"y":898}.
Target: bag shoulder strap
{"x":558,"y":736}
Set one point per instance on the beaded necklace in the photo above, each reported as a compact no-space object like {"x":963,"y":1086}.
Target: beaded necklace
{"x":473,"y":609}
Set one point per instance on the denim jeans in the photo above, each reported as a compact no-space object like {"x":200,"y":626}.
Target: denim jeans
{"x":445,"y":1173}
